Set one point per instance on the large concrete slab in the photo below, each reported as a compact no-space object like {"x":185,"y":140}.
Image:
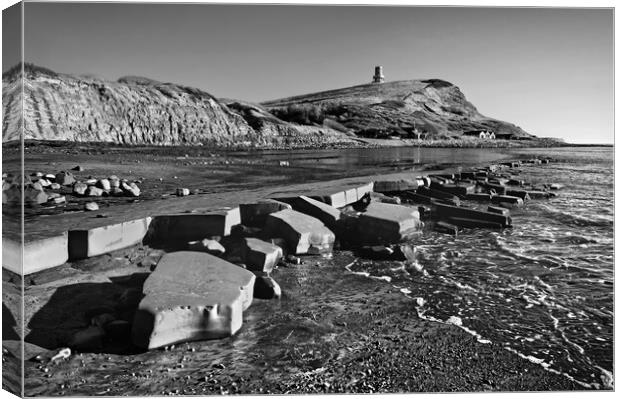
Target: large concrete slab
{"x":38,"y":255}
{"x":388,"y":223}
{"x":327,"y":214}
{"x":100,"y":240}
{"x":184,"y":227}
{"x":303,"y":234}
{"x":191,"y":296}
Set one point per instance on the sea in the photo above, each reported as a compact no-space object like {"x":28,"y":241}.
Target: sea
{"x":542,"y":289}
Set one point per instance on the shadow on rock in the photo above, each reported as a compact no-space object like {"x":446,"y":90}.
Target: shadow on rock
{"x":90,"y":317}
{"x":8,"y":325}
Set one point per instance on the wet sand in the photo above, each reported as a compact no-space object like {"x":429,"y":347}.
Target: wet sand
{"x":332,"y":331}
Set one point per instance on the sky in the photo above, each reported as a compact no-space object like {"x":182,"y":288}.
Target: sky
{"x":549,"y":71}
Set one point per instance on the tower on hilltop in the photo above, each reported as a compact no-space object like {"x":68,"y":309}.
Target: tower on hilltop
{"x":378,"y":78}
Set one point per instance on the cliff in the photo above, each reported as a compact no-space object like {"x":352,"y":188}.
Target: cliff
{"x":137,"y":110}
{"x":433,"y":108}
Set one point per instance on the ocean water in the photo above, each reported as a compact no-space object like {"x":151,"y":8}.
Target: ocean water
{"x":542,"y":289}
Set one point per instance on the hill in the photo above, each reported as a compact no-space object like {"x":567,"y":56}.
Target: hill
{"x":139,"y":110}
{"x":433,"y":108}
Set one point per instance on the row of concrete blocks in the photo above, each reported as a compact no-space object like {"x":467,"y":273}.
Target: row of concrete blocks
{"x":76,"y":244}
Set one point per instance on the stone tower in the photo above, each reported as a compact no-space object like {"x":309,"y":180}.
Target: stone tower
{"x":378,"y":78}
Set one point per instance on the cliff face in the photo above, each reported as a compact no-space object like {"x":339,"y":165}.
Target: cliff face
{"x":135,"y":110}
{"x":434,"y":108}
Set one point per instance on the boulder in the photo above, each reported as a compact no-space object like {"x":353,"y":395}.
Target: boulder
{"x":181,"y":228}
{"x":51,"y":177}
{"x":80,"y":188}
{"x":117,"y":192}
{"x":182,"y":192}
{"x":387,"y":223}
{"x":32,"y":196}
{"x":266,"y":287}
{"x":191,"y":296}
{"x":104,"y":184}
{"x":64,"y":178}
{"x":61,"y":199}
{"x":114,"y":182}
{"x":209,"y":246}
{"x":55,"y":186}
{"x":93,"y":191}
{"x":91,"y":181}
{"x":394,"y":186}
{"x":255,"y":214}
{"x":44,"y":182}
{"x":100,"y":240}
{"x":91,"y":206}
{"x":303,"y":233}
{"x":77,"y":168}
{"x":130,"y":189}
{"x":261,"y":256}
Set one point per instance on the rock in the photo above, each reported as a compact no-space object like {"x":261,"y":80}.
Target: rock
{"x":266,"y":287}
{"x":62,"y":354}
{"x":77,"y":168}
{"x":36,"y":185}
{"x":91,"y":181}
{"x":38,"y":254}
{"x":91,"y":206}
{"x":51,"y":177}
{"x":394,"y":186}
{"x":80,"y":188}
{"x":61,"y":199}
{"x":104,"y":184}
{"x":255,"y":214}
{"x":114,"y":182}
{"x":327,"y":214}
{"x":89,"y":338}
{"x":130,"y":189}
{"x":44,"y":182}
{"x":117,"y":192}
{"x":555,"y":186}
{"x":184,"y":227}
{"x":32,"y":196}
{"x":209,"y":246}
{"x":261,"y":256}
{"x":93,"y":191}
{"x":303,"y":233}
{"x":55,"y":186}
{"x":182,"y":192}
{"x":466,"y":217}
{"x":191,"y":296}
{"x":378,"y":197}
{"x":65,"y":178}
{"x":100,"y":240}
{"x":387,"y":223}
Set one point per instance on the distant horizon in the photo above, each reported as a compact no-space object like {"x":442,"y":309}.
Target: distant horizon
{"x":547,"y":70}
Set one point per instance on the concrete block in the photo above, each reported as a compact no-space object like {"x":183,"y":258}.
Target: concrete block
{"x":255,"y":214}
{"x":392,"y":186}
{"x":261,"y":256}
{"x":38,"y":254}
{"x":365,"y":189}
{"x":478,"y":197}
{"x":302,"y":233}
{"x":327,"y":214}
{"x":350,"y":196}
{"x":387,"y":223}
{"x":100,"y":240}
{"x":191,"y":296}
{"x":429,"y":192}
{"x":184,"y":227}
{"x":507,"y":200}
{"x":458,"y":190}
{"x":463,"y":216}
{"x":499,"y":210}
